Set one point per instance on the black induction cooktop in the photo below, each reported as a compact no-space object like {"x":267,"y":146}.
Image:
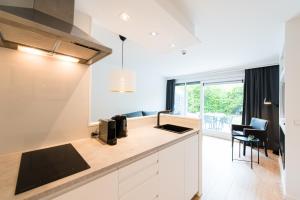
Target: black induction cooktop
{"x":43,"y":166}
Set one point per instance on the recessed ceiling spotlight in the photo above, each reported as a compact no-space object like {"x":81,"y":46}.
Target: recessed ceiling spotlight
{"x":154,"y":34}
{"x":173,"y":45}
{"x":183,"y":52}
{"x":124,"y":16}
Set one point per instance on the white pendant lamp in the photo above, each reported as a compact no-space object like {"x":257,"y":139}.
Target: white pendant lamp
{"x":123,"y":80}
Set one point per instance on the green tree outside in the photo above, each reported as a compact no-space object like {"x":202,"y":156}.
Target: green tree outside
{"x":218,"y":99}
{"x":193,"y":95}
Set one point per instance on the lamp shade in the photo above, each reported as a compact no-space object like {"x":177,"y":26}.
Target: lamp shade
{"x":122,"y":80}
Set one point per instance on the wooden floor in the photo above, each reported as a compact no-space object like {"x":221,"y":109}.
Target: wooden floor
{"x":224,"y":179}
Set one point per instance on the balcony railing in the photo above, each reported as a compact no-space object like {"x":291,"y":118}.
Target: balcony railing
{"x":220,"y":122}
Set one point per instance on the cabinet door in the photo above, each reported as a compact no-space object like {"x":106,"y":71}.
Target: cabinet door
{"x":105,"y":187}
{"x":200,"y":146}
{"x":191,"y":167}
{"x":139,"y":180}
{"x":171,"y":172}
{"x":145,"y":191}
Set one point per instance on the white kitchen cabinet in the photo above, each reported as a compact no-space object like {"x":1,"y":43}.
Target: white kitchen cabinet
{"x":139,"y":180}
{"x":191,"y":167}
{"x":200,"y":163}
{"x":179,"y":170}
{"x":171,"y":172}
{"x":147,"y":190}
{"x":105,"y":187}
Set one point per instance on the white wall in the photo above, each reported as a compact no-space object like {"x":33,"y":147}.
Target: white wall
{"x":150,"y":84}
{"x":43,"y":101}
{"x":292,"y":66}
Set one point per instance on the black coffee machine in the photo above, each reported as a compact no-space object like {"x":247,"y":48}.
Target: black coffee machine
{"x":107,"y":131}
{"x":121,"y":125}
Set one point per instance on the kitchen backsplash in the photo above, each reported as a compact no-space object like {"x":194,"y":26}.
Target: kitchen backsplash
{"x":43,"y":101}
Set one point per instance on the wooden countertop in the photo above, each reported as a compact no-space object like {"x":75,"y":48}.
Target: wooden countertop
{"x":142,"y":141}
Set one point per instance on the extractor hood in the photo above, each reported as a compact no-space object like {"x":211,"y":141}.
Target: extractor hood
{"x":48,"y":27}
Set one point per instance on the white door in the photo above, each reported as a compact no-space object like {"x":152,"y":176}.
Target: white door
{"x":105,"y":187}
{"x":191,"y":167}
{"x":171,"y":172}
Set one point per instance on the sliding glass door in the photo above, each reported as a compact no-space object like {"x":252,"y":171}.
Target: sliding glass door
{"x":179,"y":107}
{"x":193,"y":99}
{"x":187,"y":99}
{"x":218,"y":104}
{"x":223,"y":106}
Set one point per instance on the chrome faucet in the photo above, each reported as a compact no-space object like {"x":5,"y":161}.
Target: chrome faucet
{"x":158,"y":115}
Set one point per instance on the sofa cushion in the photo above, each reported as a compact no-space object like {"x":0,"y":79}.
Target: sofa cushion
{"x":134,"y":114}
{"x":147,"y":113}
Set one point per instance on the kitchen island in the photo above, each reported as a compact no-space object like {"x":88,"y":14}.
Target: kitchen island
{"x":150,"y":161}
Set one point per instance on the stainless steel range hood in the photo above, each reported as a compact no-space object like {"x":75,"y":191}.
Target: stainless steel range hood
{"x":48,"y":26}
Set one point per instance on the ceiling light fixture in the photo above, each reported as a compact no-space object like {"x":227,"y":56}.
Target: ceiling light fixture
{"x":173,"y":45}
{"x":123,"y":80}
{"x":154,"y":34}
{"x":39,"y":52}
{"x":124,"y":16}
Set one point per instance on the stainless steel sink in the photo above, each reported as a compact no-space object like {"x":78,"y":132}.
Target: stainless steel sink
{"x":173,"y":128}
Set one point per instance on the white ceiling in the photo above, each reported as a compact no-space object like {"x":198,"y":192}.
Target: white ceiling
{"x":146,"y":16}
{"x":233,"y":33}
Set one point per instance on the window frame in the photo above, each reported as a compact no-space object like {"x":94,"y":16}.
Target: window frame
{"x":185,"y":84}
{"x":219,"y":134}
{"x":202,"y":91}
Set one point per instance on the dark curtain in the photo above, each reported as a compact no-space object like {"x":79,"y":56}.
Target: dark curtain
{"x":170,"y":94}
{"x":260,"y":84}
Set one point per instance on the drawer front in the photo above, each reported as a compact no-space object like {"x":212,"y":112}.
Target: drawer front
{"x":146,"y":191}
{"x":105,"y":187}
{"x":139,"y":178}
{"x":138,"y":174}
{"x":134,"y":168}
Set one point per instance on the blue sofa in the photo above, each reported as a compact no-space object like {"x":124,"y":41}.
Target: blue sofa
{"x":140,"y":114}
